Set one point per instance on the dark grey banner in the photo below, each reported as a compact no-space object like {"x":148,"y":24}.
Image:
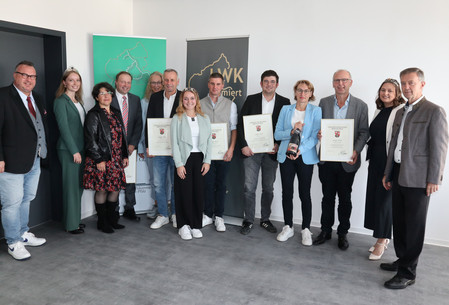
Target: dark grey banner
{"x":228,"y":56}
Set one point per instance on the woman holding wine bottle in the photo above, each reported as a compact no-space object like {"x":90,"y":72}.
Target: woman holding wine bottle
{"x":297,"y":129}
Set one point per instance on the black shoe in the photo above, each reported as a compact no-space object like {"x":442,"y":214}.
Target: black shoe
{"x":81,"y":226}
{"x":131,"y":215}
{"x":76,"y":231}
{"x":343,"y":243}
{"x":246,"y":227}
{"x":267,"y":225}
{"x":322,"y":237}
{"x":398,"y":282}
{"x":390,"y":266}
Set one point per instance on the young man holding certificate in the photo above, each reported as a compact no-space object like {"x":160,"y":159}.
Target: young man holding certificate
{"x":337,"y":177}
{"x":219,"y":110}
{"x":265,"y":102}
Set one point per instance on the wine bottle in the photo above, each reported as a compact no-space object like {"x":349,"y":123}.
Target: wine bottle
{"x":293,"y":145}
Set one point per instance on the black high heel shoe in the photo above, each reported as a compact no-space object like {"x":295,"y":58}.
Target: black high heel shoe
{"x":77,"y":231}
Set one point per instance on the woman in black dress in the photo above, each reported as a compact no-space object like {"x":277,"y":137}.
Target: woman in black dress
{"x":106,"y":156}
{"x":378,"y":213}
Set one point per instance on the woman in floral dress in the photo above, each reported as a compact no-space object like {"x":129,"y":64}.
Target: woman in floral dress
{"x":106,"y":156}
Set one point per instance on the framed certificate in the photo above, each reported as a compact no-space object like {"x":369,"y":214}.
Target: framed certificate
{"x":259,"y":132}
{"x":219,"y":140}
{"x":159,"y":143}
{"x":131,"y":169}
{"x":337,"y":140}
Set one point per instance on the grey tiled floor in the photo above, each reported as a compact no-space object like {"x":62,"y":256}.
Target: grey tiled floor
{"x":142,"y":266}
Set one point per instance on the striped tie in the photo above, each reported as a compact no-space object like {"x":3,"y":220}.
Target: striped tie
{"x":125,"y":114}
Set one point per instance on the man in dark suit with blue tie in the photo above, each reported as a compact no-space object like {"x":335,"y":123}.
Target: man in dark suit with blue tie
{"x":129,"y":105}
{"x":337,"y":177}
{"x":22,"y":145}
{"x":414,"y":170}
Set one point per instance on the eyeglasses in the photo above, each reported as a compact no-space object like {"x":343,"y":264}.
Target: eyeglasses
{"x":155,"y":83}
{"x":104,"y":93}
{"x":343,"y":80}
{"x":303,"y":91}
{"x":189,"y":89}
{"x":25,"y":76}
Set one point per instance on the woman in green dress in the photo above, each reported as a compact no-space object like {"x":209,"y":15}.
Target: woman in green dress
{"x":70,"y":114}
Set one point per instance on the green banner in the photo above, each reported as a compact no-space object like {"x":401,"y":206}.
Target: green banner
{"x":139,"y":56}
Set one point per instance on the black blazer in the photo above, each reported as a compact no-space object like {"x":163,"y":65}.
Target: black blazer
{"x":97,"y":135}
{"x":18,"y":137}
{"x":156,"y":108}
{"x":134,"y":118}
{"x":253,"y":105}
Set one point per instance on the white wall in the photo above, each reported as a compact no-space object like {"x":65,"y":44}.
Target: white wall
{"x":79,"y":20}
{"x":311,"y":39}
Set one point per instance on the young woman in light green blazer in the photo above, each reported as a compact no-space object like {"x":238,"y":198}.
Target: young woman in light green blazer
{"x":191,"y":146}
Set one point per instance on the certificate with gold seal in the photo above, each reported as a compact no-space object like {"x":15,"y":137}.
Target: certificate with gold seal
{"x":258,"y":130}
{"x":219,"y":140}
{"x":337,"y":140}
{"x":159,"y":143}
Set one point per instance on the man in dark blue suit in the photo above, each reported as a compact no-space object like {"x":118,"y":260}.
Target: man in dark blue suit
{"x":22,"y":145}
{"x":129,"y":105}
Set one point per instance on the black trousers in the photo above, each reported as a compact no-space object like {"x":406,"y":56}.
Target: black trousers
{"x":335,"y":180}
{"x":290,"y":168}
{"x":409,"y":224}
{"x":189,"y":193}
{"x":130,"y":196}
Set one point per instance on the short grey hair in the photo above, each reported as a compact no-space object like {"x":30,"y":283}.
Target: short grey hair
{"x":342,"y":70}
{"x":418,"y":72}
{"x":171,"y":70}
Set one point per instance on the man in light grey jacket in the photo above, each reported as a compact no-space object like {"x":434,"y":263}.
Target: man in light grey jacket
{"x":414,"y":169}
{"x":337,"y":177}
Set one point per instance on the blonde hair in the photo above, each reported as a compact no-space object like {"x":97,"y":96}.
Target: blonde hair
{"x":61,"y":89}
{"x":148,"y":90}
{"x":180,"y":109}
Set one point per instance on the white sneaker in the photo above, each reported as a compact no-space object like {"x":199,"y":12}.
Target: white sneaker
{"x":306,"y":237}
{"x":196,"y":233}
{"x":159,"y":222}
{"x":18,"y":251}
{"x":30,"y":240}
{"x":184,"y":232}
{"x":206,"y":220}
{"x":219,"y":224}
{"x":286,"y":233}
{"x":173,"y":220}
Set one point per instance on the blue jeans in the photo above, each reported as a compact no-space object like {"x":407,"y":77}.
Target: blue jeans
{"x":16,"y":193}
{"x":252,"y":167}
{"x":163,"y":166}
{"x":149,"y":162}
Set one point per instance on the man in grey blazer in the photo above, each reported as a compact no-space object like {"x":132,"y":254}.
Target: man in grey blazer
{"x":129,"y":105}
{"x":414,"y":169}
{"x":337,"y":177}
